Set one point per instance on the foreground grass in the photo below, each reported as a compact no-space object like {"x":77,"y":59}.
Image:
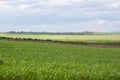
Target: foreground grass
{"x":43,"y":61}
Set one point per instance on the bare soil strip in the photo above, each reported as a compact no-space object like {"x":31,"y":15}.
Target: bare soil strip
{"x":101,"y":45}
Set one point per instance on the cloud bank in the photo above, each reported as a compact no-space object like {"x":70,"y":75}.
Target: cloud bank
{"x":60,"y":15}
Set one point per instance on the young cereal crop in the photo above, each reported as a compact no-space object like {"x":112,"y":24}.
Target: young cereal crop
{"x":45,"y":61}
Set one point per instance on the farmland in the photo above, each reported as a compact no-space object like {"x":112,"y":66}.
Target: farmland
{"x":30,"y":60}
{"x":70,"y":38}
{"x":46,"y":61}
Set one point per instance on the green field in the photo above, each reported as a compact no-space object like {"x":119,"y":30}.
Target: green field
{"x":45,"y":61}
{"x":71,"y":38}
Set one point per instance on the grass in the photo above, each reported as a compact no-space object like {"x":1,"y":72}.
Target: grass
{"x":71,"y":38}
{"x":45,"y":61}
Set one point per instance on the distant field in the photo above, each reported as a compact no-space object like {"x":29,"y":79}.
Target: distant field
{"x":72,"y":38}
{"x":45,"y":61}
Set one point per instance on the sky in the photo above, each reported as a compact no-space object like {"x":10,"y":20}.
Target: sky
{"x":60,"y":15}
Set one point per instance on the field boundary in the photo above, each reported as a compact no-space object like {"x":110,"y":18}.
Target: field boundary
{"x":107,"y":45}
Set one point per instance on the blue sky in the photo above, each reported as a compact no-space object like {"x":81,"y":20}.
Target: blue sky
{"x":60,"y":15}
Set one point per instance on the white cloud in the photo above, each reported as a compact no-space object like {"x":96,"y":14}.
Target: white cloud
{"x":2,"y":2}
{"x":6,"y":6}
{"x":24,"y":7}
{"x":115,"y":5}
{"x":58,"y":2}
{"x":22,"y":0}
{"x":101,"y":0}
{"x":100,"y":22}
{"x":63,"y":2}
